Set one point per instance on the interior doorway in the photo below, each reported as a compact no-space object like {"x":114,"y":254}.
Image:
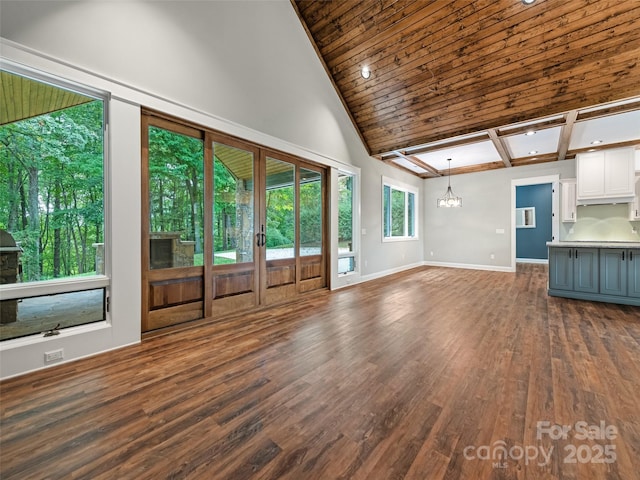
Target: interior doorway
{"x":227,"y":225}
{"x":522,"y":215}
{"x":534,"y":222}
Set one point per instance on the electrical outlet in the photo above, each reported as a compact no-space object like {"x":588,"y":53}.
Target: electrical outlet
{"x":53,"y":356}
{"x":493,"y":257}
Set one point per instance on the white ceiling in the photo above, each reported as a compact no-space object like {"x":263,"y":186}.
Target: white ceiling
{"x":622,"y":127}
{"x":462,"y":155}
{"x":540,"y":142}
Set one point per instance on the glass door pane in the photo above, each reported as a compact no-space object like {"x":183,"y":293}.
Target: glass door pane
{"x":176,"y":189}
{"x":280,"y":209}
{"x":310,"y":212}
{"x":346,"y":257}
{"x":233,"y":191}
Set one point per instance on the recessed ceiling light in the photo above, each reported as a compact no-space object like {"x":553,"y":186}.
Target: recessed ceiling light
{"x":530,"y":132}
{"x":533,"y":152}
{"x":365,"y":72}
{"x":596,"y":142}
{"x":528,"y":2}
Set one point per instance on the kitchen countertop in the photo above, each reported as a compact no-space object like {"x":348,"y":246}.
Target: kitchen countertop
{"x":595,"y":244}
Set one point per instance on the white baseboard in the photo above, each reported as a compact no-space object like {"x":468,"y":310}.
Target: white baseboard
{"x":542,"y":261}
{"x":492,"y":268}
{"x":391,"y":271}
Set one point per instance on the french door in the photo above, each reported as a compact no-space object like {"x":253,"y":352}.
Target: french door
{"x":227,"y":225}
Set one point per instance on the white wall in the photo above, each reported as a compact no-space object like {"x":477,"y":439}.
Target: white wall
{"x":468,"y":236}
{"x":243,"y":67}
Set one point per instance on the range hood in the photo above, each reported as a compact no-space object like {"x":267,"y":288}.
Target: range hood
{"x":604,"y":201}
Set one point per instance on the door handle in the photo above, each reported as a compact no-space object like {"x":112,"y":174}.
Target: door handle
{"x":258,"y":240}
{"x":623,"y":255}
{"x":263,"y":237}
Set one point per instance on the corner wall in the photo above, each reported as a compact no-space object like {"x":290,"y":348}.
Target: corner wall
{"x":468,"y":237}
{"x":245,"y":68}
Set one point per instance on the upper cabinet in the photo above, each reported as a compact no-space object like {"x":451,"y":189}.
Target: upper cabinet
{"x":606,"y":176}
{"x":568,"y":197}
{"x":634,"y":207}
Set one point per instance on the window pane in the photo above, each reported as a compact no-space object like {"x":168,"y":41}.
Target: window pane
{"x":310,"y":212}
{"x":176,"y":173}
{"x":397,"y":213}
{"x":280,"y":202}
{"x":345,"y":213}
{"x":28,"y":316}
{"x":386,"y":210}
{"x":51,"y":180}
{"x":411,"y":223}
{"x":232,"y":205}
{"x":346,"y":264}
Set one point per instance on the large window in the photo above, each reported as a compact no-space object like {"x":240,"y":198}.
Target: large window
{"x":52,"y":223}
{"x":399,"y":211}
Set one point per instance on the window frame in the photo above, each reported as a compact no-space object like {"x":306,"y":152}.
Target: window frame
{"x":410,"y":222}
{"x":16,"y":291}
{"x":354,"y":238}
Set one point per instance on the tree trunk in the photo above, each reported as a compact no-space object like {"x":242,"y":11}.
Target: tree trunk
{"x":56,"y":234}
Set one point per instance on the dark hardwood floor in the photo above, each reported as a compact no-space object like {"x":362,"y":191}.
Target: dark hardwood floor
{"x":422,"y":375}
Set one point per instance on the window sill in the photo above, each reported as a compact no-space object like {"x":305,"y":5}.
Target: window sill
{"x":51,"y":287}
{"x":399,"y":239}
{"x":38,"y":338}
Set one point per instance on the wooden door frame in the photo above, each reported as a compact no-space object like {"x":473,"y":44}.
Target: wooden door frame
{"x":212,"y":137}
{"x":150,"y":118}
{"x":207,"y":271}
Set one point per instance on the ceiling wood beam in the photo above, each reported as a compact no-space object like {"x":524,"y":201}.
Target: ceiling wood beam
{"x":543,"y":125}
{"x":500,"y":147}
{"x":440,"y":145}
{"x":565,"y":134}
{"x":390,"y":161}
{"x":632,"y":143}
{"x":416,"y":161}
{"x":443,"y":71}
{"x":627,"y":107}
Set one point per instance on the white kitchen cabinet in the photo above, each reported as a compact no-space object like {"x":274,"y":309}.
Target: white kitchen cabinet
{"x":634,"y":207}
{"x":606,"y":176}
{"x":569,"y":205}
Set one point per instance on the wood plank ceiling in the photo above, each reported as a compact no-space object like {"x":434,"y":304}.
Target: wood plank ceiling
{"x":22,"y":98}
{"x":441,"y":69}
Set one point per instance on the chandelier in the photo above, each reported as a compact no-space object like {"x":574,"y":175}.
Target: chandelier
{"x":449,"y":199}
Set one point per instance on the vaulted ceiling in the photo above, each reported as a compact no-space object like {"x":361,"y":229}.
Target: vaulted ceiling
{"x":469,"y":78}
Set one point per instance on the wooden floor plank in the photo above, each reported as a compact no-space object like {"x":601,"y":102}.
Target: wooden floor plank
{"x":410,"y":376}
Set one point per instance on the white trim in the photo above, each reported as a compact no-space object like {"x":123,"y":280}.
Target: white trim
{"x":342,"y":280}
{"x":391,"y":271}
{"x":540,"y":261}
{"x":52,"y":287}
{"x":470,"y":266}
{"x":69,"y":360}
{"x":37,"y":61}
{"x":38,"y":338}
{"x":400,"y":186}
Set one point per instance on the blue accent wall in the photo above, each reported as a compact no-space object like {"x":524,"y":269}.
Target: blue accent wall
{"x":531,"y":242}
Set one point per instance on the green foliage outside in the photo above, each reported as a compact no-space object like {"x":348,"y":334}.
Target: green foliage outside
{"x":176,"y":185}
{"x":51,"y":190}
{"x":345,"y":207}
